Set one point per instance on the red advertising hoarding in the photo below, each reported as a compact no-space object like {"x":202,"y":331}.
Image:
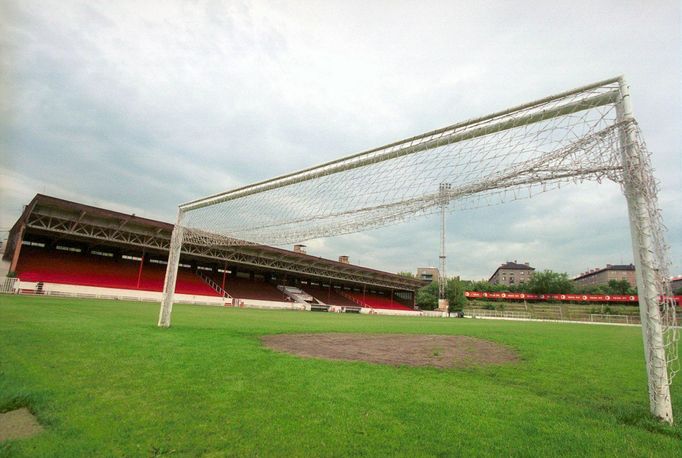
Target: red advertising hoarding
{"x":558,"y":297}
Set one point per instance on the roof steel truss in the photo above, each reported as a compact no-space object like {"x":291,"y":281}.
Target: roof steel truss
{"x":78,"y":225}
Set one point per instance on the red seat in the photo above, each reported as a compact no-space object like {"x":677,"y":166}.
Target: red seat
{"x":243,"y":288}
{"x":378,"y":302}
{"x":41,"y":265}
{"x":328,"y":295}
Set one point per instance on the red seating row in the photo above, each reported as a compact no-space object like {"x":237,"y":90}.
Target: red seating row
{"x":328,"y":295}
{"x":377,"y":302}
{"x":40,"y":265}
{"x":243,"y":288}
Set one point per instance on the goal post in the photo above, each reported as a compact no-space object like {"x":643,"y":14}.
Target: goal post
{"x":174,"y":251}
{"x":642,"y":231}
{"x":585,"y":134}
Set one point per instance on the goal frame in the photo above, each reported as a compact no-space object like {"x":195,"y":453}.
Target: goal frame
{"x":638,"y":205}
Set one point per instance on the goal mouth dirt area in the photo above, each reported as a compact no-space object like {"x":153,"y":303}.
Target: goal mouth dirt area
{"x":395,"y":349}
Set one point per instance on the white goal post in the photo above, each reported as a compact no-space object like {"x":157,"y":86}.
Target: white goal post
{"x":588,"y":133}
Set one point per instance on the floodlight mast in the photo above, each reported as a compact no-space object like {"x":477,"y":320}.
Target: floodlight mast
{"x":641,"y":230}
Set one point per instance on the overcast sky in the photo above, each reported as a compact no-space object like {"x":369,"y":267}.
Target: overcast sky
{"x":141,"y":105}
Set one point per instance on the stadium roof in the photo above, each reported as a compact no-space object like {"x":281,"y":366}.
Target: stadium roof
{"x":52,"y":217}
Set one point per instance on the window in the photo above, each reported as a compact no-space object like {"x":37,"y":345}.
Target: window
{"x":38,"y":244}
{"x":102,"y":253}
{"x":68,"y":248}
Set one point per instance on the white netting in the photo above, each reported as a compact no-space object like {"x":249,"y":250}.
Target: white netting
{"x":662,"y":329}
{"x":510,"y":155}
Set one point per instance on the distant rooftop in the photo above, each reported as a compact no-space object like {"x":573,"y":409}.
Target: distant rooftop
{"x":516,"y":265}
{"x":595,"y":271}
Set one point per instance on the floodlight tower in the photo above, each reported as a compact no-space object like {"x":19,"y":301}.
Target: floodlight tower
{"x":443,"y":189}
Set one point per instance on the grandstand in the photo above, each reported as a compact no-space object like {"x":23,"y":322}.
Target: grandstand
{"x":59,"y":247}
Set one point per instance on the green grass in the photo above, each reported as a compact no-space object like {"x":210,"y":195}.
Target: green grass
{"x":107,"y":382}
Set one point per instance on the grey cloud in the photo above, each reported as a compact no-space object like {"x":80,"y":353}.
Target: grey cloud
{"x":150,"y":104}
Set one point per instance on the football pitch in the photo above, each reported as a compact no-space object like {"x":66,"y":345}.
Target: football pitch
{"x":105,"y":381}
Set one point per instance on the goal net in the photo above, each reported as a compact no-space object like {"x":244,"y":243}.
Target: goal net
{"x":583,"y":134}
{"x":508,"y":155}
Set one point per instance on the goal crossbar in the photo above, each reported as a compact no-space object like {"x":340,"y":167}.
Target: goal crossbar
{"x":458,"y":132}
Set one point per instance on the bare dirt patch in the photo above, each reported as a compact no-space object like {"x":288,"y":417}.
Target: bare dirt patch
{"x":17,"y":424}
{"x":395,"y":349}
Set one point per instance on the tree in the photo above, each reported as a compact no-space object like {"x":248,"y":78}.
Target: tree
{"x":549,"y":282}
{"x":593,"y":289}
{"x":455,"y":294}
{"x":485,"y":287}
{"x":613,"y":287}
{"x":519,"y":288}
{"x":406,"y":274}
{"x":427,"y":296}
{"x":620,"y":287}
